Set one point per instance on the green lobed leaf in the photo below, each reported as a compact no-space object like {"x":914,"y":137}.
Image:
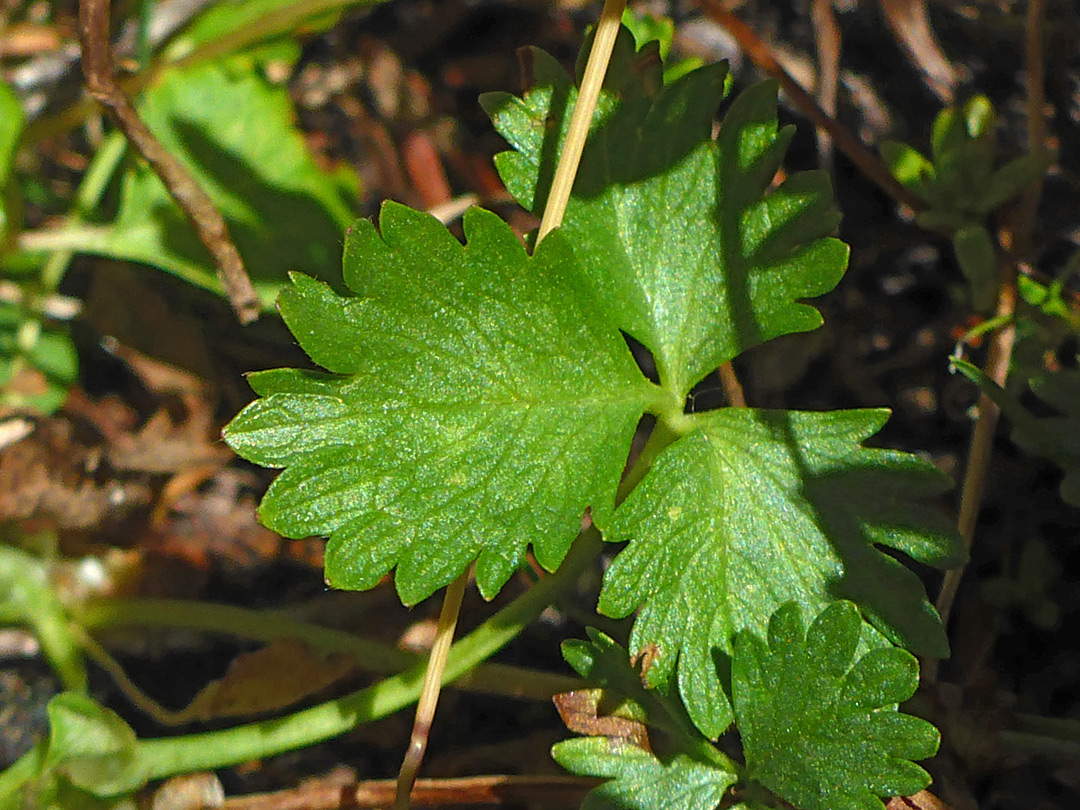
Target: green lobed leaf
{"x":689,"y":775}
{"x":908,"y":165}
{"x":603,"y":662}
{"x":680,"y":241}
{"x":960,"y":185}
{"x":1048,"y":299}
{"x":638,"y":780}
{"x":964,"y":143}
{"x":235,"y":132}
{"x":646,"y":28}
{"x":477,"y":404}
{"x":1014,"y":178}
{"x":756,"y":508}
{"x":1057,"y":437}
{"x":820,"y":729}
{"x":92,"y":747}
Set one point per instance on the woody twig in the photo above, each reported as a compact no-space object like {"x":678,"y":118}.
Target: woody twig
{"x":209,"y":224}
{"x":761,"y":55}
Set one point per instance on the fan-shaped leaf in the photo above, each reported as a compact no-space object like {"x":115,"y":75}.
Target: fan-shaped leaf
{"x":477,"y":404}
{"x":820,"y":729}
{"x":757,"y":508}
{"x":680,"y":241}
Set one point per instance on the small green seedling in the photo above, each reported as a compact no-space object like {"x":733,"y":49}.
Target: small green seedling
{"x":961,"y":187}
{"x":1055,"y":437}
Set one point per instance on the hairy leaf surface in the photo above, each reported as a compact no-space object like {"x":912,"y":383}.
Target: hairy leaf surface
{"x":821,"y":731}
{"x":757,"y":508}
{"x":680,"y":240}
{"x":689,"y":775}
{"x":476,"y":404}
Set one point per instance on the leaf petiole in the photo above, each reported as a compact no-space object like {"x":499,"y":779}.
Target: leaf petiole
{"x":267,"y":626}
{"x":429,"y":696}
{"x":570,"y":158}
{"x":215,"y":749}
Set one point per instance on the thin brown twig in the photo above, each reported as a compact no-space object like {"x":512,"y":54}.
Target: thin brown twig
{"x":209,"y":224}
{"x":1034,"y":71}
{"x":1016,"y":241}
{"x":827,"y":39}
{"x":429,"y":697}
{"x":330,"y":794}
{"x":27,"y":39}
{"x":910,"y":25}
{"x":733,"y":389}
{"x":843,"y":139}
{"x":982,"y":440}
{"x":558,"y":196}
{"x":275,"y":22}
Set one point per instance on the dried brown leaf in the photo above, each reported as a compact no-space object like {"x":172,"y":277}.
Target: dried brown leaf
{"x":827,"y":39}
{"x":581,"y":711}
{"x":52,"y":475}
{"x":910,"y":25}
{"x":923,"y":800}
{"x":270,"y":679}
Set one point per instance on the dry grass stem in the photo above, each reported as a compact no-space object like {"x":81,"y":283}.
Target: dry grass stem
{"x":209,"y":224}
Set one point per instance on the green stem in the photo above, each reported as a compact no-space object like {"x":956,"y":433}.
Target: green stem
{"x":33,"y":604}
{"x":491,"y":679}
{"x":144,"y":48}
{"x":662,"y":435}
{"x":20,"y":772}
{"x":63,"y":242}
{"x":988,"y":325}
{"x":99,"y":240}
{"x":1039,"y":744}
{"x":215,"y":749}
{"x":87,"y":197}
{"x":258,"y":625}
{"x":1058,"y":727}
{"x":275,"y":23}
